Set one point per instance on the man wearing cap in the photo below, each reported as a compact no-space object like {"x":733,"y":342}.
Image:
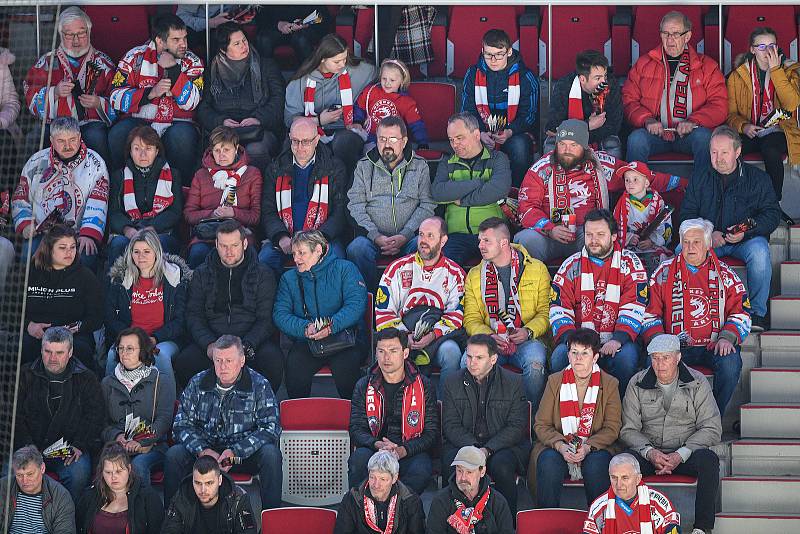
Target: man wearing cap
{"x":698,"y":298}
{"x":602,"y":287}
{"x":468,"y":503}
{"x":563,"y":186}
{"x":669,"y":422}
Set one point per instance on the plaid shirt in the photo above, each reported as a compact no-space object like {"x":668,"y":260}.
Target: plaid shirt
{"x":243,"y":420}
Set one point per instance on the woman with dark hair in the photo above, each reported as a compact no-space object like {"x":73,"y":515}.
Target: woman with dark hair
{"x":146,"y":193}
{"x":325,"y":87}
{"x":138,"y":388}
{"x":764,"y":82}
{"x":245,"y":92}
{"x":62,"y":292}
{"x":118,"y":502}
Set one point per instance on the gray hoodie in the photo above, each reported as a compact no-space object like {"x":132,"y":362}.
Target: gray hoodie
{"x":384,"y":202}
{"x":327,"y":92}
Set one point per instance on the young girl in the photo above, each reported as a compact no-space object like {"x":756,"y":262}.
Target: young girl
{"x":390,"y":97}
{"x":636,"y":209}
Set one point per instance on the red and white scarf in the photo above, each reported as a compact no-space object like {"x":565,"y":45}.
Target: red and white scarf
{"x":64,"y":108}
{"x":413,"y":409}
{"x":345,"y":97}
{"x":482,"y":97}
{"x":559,"y":192}
{"x":371,"y":517}
{"x":575,"y":106}
{"x":161,"y":200}
{"x":494,"y":295}
{"x":575,"y":421}
{"x":592,"y":308}
{"x":676,"y":96}
{"x":641,"y":505}
{"x":762,"y":104}
{"x":464,"y":519}
{"x":652,"y":202}
{"x":681,"y":302}
{"x":318,"y":207}
{"x":228,"y":181}
{"x":149,"y":76}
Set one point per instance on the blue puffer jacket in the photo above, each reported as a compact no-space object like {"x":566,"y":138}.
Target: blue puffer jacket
{"x":333,"y":288}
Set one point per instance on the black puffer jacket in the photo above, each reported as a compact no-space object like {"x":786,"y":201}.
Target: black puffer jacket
{"x":409,"y":516}
{"x":145,"y":510}
{"x":496,"y":516}
{"x":183,"y":512}
{"x":559,"y":107}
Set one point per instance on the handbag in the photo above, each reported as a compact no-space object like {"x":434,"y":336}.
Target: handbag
{"x":206,"y":229}
{"x":249,"y":134}
{"x":334,"y":343}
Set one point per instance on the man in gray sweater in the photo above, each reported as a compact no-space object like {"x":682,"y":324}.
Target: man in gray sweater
{"x":390,"y":197}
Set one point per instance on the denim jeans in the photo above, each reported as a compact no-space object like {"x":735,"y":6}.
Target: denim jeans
{"x":531,"y":357}
{"x":727,"y":370}
{"x":143,"y":464}
{"x":551,"y":470}
{"x":461,"y":247}
{"x":265,"y":462}
{"x":119,"y":243}
{"x":415,"y":471}
{"x":622,"y":365}
{"x":364,"y":253}
{"x":519,"y":151}
{"x":544,"y":249}
{"x":166,"y":350}
{"x":448,"y":358}
{"x":197,"y":254}
{"x":75,"y":476}
{"x":274,"y":258}
{"x":754,"y":252}
{"x":642,"y":144}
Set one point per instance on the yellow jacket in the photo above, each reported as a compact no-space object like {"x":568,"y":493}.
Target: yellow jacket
{"x":534,"y":296}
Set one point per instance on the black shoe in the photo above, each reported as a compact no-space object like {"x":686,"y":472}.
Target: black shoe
{"x":786,"y":218}
{"x":759,"y":323}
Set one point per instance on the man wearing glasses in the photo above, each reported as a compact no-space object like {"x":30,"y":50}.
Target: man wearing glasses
{"x":503,"y":93}
{"x":81,"y":77}
{"x":674,"y":97}
{"x":304,"y":189}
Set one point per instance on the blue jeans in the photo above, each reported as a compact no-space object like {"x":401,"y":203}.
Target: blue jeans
{"x":641,"y":144}
{"x":415,"y":471}
{"x":622,"y":366}
{"x":518,"y":149}
{"x":754,"y":252}
{"x":461,"y":247}
{"x":274,"y":258}
{"x":531,"y":357}
{"x":197,"y":254}
{"x":364,"y":253}
{"x":266,"y":462}
{"x":727,"y":370}
{"x":90,"y":262}
{"x":551,"y":470}
{"x":546,"y":249}
{"x":166,"y":350}
{"x":119,"y":243}
{"x":448,"y":358}
{"x":143,"y":464}
{"x":75,"y":476}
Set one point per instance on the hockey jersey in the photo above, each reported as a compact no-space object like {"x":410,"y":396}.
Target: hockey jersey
{"x":664,"y":518}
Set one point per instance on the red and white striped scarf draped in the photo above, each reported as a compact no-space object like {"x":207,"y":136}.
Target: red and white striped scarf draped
{"x":464,"y":519}
{"x":762,"y":106}
{"x":641,"y":505}
{"x":228,"y":181}
{"x":345,"y":96}
{"x":317,"y":212}
{"x":575,"y":104}
{"x":654,"y":205}
{"x":161,"y":200}
{"x":149,"y":77}
{"x":482,"y":97}
{"x":680,"y":304}
{"x":371,"y":517}
{"x":591,"y":310}
{"x":575,"y":421}
{"x":64,"y":109}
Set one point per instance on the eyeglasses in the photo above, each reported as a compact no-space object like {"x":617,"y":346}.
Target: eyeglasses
{"x":81,"y":35}
{"x":303,"y":142}
{"x":389,"y":140}
{"x":494,"y":57}
{"x":763,"y":47}
{"x":673,"y":35}
{"x":126,"y":350}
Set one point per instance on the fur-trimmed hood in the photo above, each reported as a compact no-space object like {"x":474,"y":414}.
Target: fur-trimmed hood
{"x":176,"y":270}
{"x":6,"y":56}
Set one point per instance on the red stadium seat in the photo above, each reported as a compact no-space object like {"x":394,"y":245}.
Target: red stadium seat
{"x":741,"y":20}
{"x":298,"y":520}
{"x":315,"y":413}
{"x":467,"y":26}
{"x":550,"y":521}
{"x":575,"y":28}
{"x":364,"y":30}
{"x":437,"y":67}
{"x":436,"y":102}
{"x":117,"y":29}
{"x":646,"y":19}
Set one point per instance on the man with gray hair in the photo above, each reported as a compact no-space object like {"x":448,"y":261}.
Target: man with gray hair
{"x":629,"y":506}
{"x":698,"y":298}
{"x":36,"y":503}
{"x":79,"y":78}
{"x":674,"y":97}
{"x":740,"y":202}
{"x":669,"y":421}
{"x":470,"y":184}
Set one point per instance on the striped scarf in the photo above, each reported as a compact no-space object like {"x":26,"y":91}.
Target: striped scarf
{"x":676,"y":97}
{"x":86,"y":78}
{"x":683,"y":303}
{"x":651,"y":201}
{"x":413,"y":413}
{"x":494,"y":295}
{"x":149,"y":76}
{"x":575,"y":106}
{"x":464,"y":519}
{"x":371,"y":517}
{"x":161,"y":200}
{"x":228,"y":181}
{"x":482,"y":97}
{"x":345,"y":97}
{"x":318,"y":207}
{"x":576,"y":421}
{"x":762,"y":104}
{"x":641,"y":505}
{"x":593,"y":309}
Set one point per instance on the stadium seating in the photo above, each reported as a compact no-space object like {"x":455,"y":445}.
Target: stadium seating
{"x":467,"y":26}
{"x":436,"y":102}
{"x":117,"y":29}
{"x":550,"y":521}
{"x":645,"y":35}
{"x":575,"y":28}
{"x":298,"y":520}
{"x":741,"y":20}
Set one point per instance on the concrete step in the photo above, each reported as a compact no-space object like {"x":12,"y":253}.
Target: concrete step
{"x":780,"y":348}
{"x":794,"y":242}
{"x":761,"y":420}
{"x":785,"y":313}
{"x":790,"y":278}
{"x":777,"y":495}
{"x":765,"y":457}
{"x":741,"y":395}
{"x":736,"y":523}
{"x":775,"y":385}
{"x":780,"y":234}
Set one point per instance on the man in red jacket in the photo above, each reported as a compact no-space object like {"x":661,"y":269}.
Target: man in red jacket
{"x":674,"y":97}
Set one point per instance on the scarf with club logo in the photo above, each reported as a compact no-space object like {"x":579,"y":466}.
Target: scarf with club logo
{"x":161,"y":200}
{"x":641,"y":506}
{"x":763,"y":103}
{"x":591,"y":310}
{"x":652,"y":201}
{"x":318,"y":207}
{"x":464,"y":519}
{"x":558,"y":186}
{"x":413,"y":413}
{"x":576,"y":421}
{"x":683,"y":303}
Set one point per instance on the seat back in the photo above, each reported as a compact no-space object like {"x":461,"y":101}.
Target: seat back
{"x":298,"y":520}
{"x":550,"y":521}
{"x":646,"y":20}
{"x":741,"y":20}
{"x":117,"y":29}
{"x":575,"y":28}
{"x":315,"y":413}
{"x":436,"y":102}
{"x":467,"y":26}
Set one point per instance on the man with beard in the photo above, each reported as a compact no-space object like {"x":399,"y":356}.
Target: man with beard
{"x":602,"y":287}
{"x":389,"y":198}
{"x":563,"y":186}
{"x":422,"y":294}
{"x":159,"y":83}
{"x":469,"y":183}
{"x":80,"y":75}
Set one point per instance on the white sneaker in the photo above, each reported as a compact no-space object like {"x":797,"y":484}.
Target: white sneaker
{"x":698,"y":531}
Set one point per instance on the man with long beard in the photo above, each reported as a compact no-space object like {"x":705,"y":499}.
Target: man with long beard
{"x":566,"y":184}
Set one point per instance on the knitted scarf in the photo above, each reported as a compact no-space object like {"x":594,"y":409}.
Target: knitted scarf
{"x":641,"y":505}
{"x":494,"y":295}
{"x":558,"y":187}
{"x":652,"y":202}
{"x":464,"y":519}
{"x":130,"y":377}
{"x":482,"y":97}
{"x":413,"y":409}
{"x":592,"y":308}
{"x":228,"y":181}
{"x":161,"y":200}
{"x":84,"y":79}
{"x":149,"y":77}
{"x":575,"y":105}
{"x":370,"y":516}
{"x":676,"y":97}
{"x":345,"y":97}
{"x":682,"y":302}
{"x":317,"y":212}
{"x":575,"y":421}
{"x":763,"y":104}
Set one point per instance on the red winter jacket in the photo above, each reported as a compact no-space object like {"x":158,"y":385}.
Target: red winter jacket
{"x":641,"y":94}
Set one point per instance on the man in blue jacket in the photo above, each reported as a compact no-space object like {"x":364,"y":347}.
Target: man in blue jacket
{"x":728,"y":194}
{"x":500,"y":88}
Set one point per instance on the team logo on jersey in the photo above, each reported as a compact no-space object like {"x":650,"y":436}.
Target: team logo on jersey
{"x":413,"y":418}
{"x":406,"y":278}
{"x":382,"y":297}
